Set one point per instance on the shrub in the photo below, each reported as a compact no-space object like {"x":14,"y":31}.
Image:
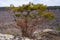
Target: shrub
{"x":17,"y":15}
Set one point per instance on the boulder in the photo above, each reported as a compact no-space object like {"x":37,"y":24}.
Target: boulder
{"x":47,"y":34}
{"x":6,"y":37}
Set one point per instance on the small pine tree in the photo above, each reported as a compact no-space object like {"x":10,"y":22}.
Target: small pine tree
{"x":41,"y":13}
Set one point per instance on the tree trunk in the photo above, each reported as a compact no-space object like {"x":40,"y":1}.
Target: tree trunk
{"x":23,"y":24}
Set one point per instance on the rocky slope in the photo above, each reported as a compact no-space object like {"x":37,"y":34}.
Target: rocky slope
{"x":9,"y":26}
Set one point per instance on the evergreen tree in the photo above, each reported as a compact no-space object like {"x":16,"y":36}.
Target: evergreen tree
{"x":28,"y":8}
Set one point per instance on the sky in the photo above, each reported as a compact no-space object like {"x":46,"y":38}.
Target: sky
{"x":20,"y":2}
